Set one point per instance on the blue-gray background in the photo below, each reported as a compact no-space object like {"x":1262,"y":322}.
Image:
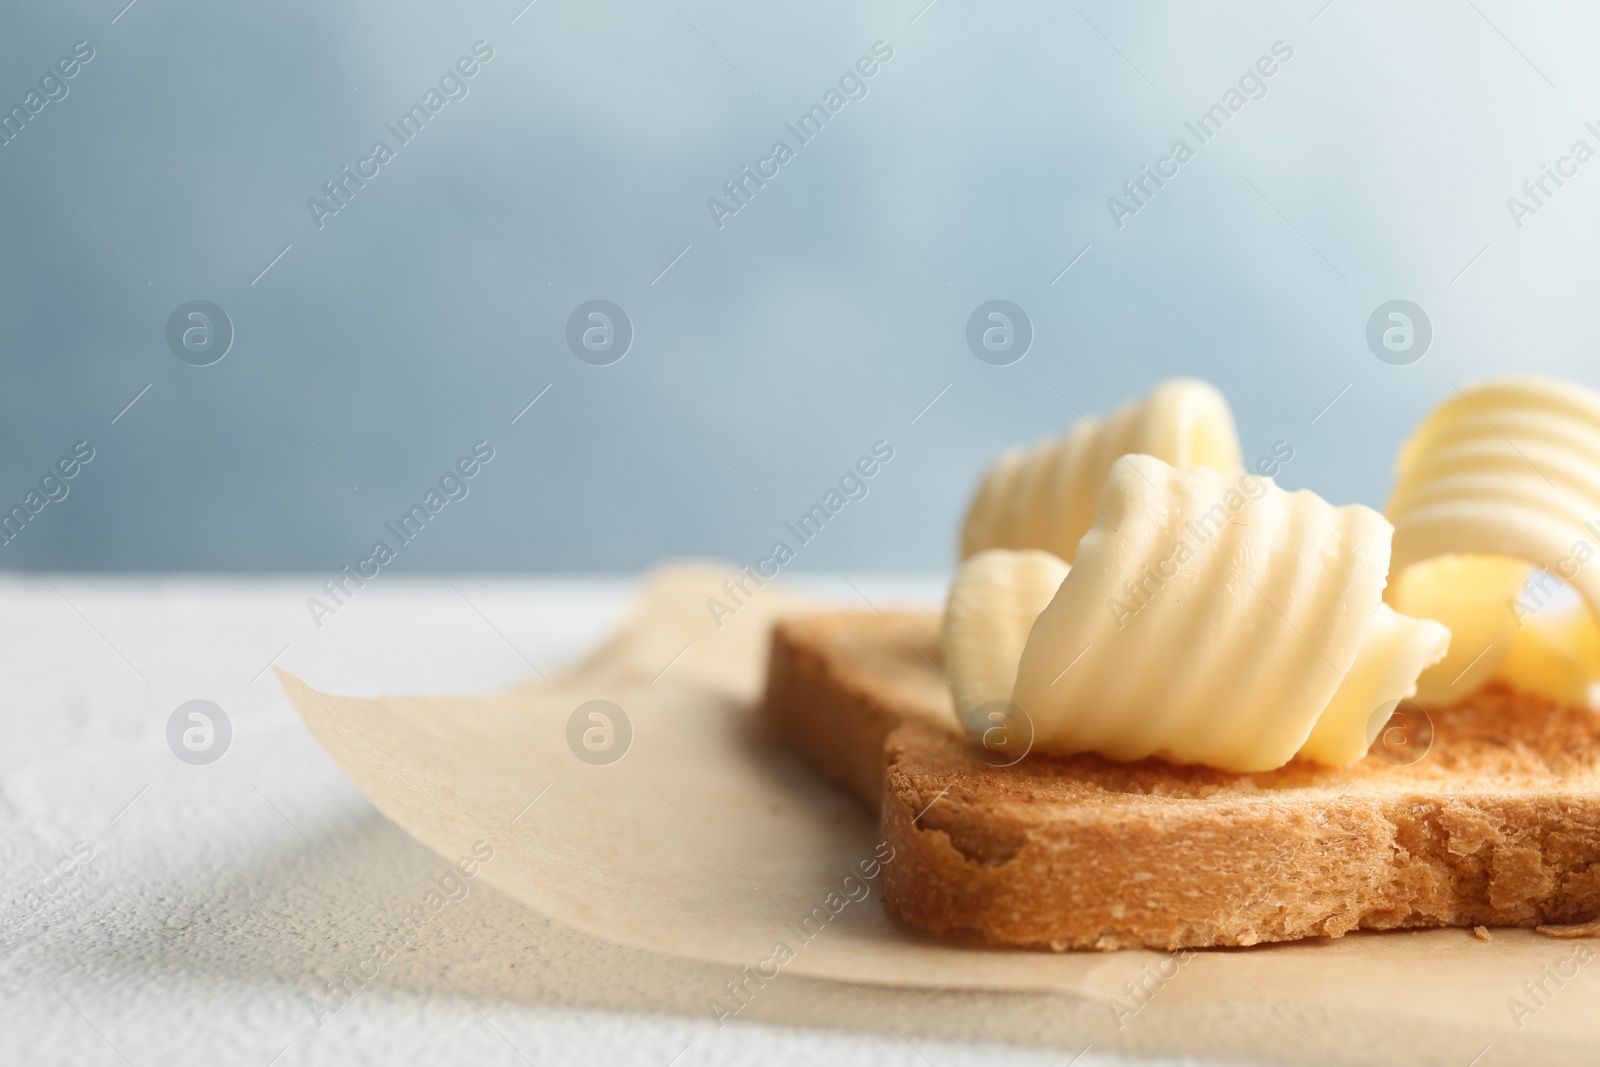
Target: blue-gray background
{"x":823,"y":317}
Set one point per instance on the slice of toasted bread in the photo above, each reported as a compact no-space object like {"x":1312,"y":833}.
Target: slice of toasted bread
{"x":1498,"y":824}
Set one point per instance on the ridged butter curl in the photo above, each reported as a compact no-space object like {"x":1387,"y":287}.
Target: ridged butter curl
{"x":1044,"y":496}
{"x":993,"y":601}
{"x":1499,"y":481}
{"x":1220,"y":620}
{"x":1504,"y":468}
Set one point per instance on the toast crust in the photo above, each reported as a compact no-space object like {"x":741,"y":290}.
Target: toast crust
{"x":1498,"y":825}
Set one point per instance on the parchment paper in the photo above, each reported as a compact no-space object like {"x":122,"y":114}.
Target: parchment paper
{"x":706,"y":841}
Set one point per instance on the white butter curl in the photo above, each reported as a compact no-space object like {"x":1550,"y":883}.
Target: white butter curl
{"x":1216,"y":620}
{"x":1044,"y":496}
{"x":1394,"y":651}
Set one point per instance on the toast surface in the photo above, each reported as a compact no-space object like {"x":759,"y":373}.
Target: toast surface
{"x":1498,"y":824}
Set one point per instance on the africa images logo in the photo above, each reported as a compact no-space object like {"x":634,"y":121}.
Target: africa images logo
{"x":53,"y":88}
{"x":341,"y":190}
{"x":1252,"y":85}
{"x":740,"y":190}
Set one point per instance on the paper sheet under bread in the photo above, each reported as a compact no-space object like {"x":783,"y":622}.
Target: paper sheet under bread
{"x":706,"y":841}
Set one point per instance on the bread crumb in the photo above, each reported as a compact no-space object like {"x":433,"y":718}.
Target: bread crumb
{"x":1482,"y":933}
{"x":1588,"y":929}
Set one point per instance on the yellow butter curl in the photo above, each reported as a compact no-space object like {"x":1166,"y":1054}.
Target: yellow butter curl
{"x":1222,"y":621}
{"x":993,"y":601}
{"x":1496,"y":493}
